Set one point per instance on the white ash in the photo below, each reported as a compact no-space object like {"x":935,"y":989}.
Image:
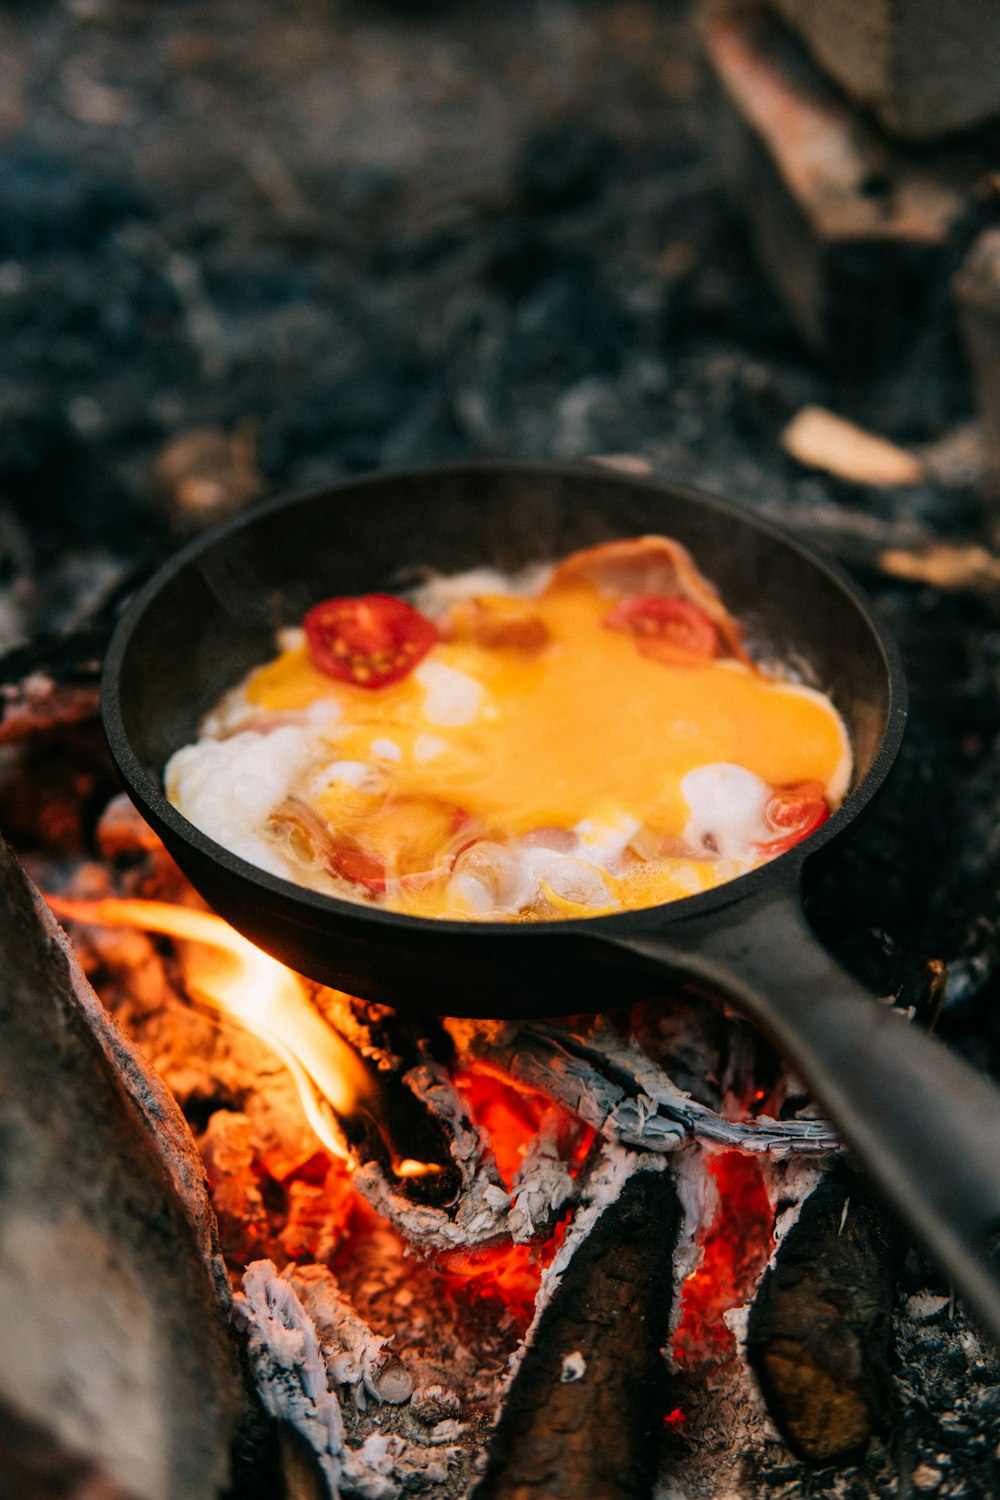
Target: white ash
{"x":543,"y":1186}
{"x":291,"y":1379}
{"x":698,"y":1196}
{"x":924,"y":1307}
{"x":445,"y":1431}
{"x":355,"y":1355}
{"x":431,"y":1404}
{"x":790,"y":1183}
{"x":574,"y":1367}
{"x":288,"y":1368}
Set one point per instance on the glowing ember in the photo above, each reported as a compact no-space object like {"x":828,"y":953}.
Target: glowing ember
{"x":735,"y":1249}
{"x":228,"y":972}
{"x":510,"y":1272}
{"x":409,"y":1167}
{"x":512,"y":1117}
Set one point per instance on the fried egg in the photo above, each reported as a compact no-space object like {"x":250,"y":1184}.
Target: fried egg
{"x":542,"y":760}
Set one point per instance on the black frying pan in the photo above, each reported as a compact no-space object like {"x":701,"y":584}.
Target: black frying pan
{"x":926,"y":1125}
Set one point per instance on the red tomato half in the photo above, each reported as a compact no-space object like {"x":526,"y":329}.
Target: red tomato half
{"x":370,"y":641}
{"x":670,"y":630}
{"x":794,"y":812}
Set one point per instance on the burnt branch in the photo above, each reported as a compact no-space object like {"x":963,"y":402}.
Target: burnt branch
{"x":588,"y":1396}
{"x":462,"y":1202}
{"x":611,"y":1084}
{"x":819,"y":1332}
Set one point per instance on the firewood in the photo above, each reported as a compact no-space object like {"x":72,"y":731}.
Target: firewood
{"x":819,"y":1330}
{"x":619,"y":1091}
{"x":588,"y":1398}
{"x":858,"y":236}
{"x":416,"y":1110}
{"x":112,"y":1302}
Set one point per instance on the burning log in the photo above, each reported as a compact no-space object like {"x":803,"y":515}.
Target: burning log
{"x":589,"y":1392}
{"x":112,"y":1299}
{"x":419,"y":1103}
{"x":442,"y":1188}
{"x":819,"y":1331}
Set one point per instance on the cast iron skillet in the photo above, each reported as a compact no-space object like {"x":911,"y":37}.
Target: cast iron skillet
{"x":926,"y":1125}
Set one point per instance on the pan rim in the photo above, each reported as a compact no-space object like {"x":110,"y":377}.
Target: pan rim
{"x":782,"y":872}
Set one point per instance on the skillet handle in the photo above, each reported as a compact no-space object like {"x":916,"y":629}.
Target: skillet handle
{"x":923,"y":1122}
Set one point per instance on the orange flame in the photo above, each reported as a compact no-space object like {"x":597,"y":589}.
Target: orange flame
{"x":261,"y":994}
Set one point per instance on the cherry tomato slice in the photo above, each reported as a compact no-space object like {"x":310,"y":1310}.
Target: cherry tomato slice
{"x":370,"y":641}
{"x":355,"y":865}
{"x":669,"y":630}
{"x":794,"y":812}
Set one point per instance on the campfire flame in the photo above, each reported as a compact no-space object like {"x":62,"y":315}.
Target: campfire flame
{"x":238,"y":979}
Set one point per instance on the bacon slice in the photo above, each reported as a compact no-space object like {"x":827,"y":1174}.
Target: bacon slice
{"x":649,"y":565}
{"x":496,"y":623}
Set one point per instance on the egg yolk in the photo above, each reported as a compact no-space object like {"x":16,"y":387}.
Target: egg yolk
{"x":554,"y":728}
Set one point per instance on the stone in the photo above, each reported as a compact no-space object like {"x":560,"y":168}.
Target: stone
{"x":117,"y":1352}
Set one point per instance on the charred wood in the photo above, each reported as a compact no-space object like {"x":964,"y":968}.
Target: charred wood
{"x":858,"y":235}
{"x":588,"y":1397}
{"x":616,"y":1089}
{"x":395,"y":1124}
{"x":819,"y":1331}
{"x":54,"y":680}
{"x":416,"y":1112}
